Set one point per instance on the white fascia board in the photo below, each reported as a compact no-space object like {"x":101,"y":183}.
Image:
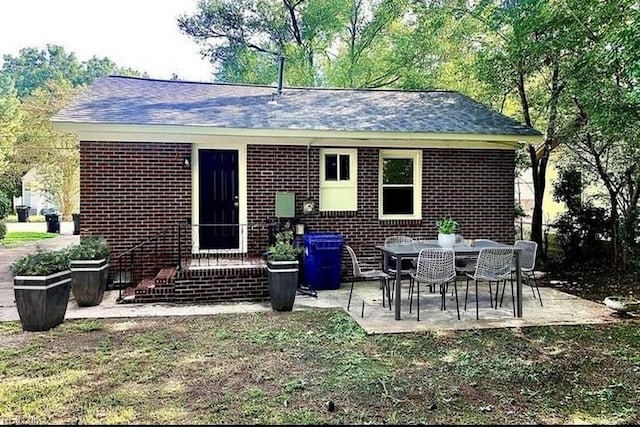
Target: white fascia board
{"x":195,"y":134}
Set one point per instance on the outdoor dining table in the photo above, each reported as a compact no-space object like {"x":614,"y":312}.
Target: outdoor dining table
{"x":412,"y":250}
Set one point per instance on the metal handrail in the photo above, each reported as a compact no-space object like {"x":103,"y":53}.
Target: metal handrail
{"x":179,"y":238}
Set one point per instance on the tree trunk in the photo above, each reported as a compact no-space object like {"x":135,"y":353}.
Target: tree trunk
{"x":538,"y":172}
{"x":539,"y":161}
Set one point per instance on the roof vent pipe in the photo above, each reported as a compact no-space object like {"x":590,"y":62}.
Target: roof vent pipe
{"x":280,"y":74}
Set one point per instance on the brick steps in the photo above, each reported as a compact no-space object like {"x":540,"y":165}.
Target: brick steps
{"x":165,"y":276}
{"x":231,"y":280}
{"x":148,"y":285}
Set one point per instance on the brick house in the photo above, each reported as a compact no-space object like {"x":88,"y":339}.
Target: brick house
{"x":194,"y":170}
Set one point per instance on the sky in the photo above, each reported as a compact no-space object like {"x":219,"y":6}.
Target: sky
{"x":140,"y":34}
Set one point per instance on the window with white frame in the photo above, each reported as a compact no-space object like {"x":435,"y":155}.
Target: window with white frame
{"x":338,"y":179}
{"x":400,"y":184}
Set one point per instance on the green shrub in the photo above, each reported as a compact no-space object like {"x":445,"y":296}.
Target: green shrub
{"x":3,"y":230}
{"x":5,"y":205}
{"x":41,"y":263}
{"x":90,"y":248}
{"x":283,"y":249}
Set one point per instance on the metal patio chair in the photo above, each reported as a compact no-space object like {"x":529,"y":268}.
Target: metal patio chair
{"x":435,"y":266}
{"x":390,"y":264}
{"x":494,"y":265}
{"x":358,"y":274}
{"x":527,"y":266}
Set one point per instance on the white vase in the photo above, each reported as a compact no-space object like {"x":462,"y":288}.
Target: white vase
{"x":447,"y":240}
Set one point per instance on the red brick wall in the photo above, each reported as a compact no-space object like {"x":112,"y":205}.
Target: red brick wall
{"x":473,"y":186}
{"x":131,"y":191}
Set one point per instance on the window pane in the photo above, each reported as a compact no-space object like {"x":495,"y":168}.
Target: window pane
{"x":344,"y":167}
{"x":397,"y":201}
{"x":331,"y":167}
{"x":397,"y":171}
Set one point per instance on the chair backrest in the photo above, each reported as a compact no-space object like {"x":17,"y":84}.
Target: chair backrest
{"x":494,"y":263}
{"x":394,"y":240}
{"x":527,"y":255}
{"x":436,"y":265}
{"x":354,"y":261}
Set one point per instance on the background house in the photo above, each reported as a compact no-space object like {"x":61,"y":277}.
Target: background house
{"x":216,"y":157}
{"x":33,"y":194}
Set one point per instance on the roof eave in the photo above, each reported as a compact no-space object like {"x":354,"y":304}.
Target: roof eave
{"x":106,"y":132}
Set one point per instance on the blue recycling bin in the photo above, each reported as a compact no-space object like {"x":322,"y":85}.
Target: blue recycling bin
{"x":322,"y":264}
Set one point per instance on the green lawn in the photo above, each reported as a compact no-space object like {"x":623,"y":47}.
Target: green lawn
{"x":32,"y":218}
{"x":18,"y":237}
{"x":315,"y":367}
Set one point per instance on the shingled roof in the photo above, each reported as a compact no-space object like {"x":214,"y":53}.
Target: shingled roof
{"x":130,"y":100}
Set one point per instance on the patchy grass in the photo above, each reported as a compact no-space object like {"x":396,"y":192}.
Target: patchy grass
{"x":32,"y":218}
{"x":18,"y":237}
{"x":315,"y":367}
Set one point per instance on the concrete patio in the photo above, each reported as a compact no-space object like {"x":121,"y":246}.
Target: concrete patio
{"x":367,"y":310}
{"x":366,"y":306}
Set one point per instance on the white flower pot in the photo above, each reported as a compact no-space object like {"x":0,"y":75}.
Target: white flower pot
{"x":447,"y":240}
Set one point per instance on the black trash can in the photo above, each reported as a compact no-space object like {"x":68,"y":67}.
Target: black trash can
{"x":53,"y":223}
{"x":23,"y":213}
{"x":76,"y":224}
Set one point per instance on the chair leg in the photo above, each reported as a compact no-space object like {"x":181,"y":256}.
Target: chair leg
{"x":502,"y":296}
{"x":418,"y":301}
{"x":350,"y":293}
{"x":529,"y":278}
{"x":388,"y":293}
{"x":490,"y":295}
{"x":513,"y":298}
{"x":535,"y":281}
{"x":384,"y":289}
{"x":455,"y":288}
{"x":477,"y":311}
{"x":411,"y":299}
{"x":466,"y":294}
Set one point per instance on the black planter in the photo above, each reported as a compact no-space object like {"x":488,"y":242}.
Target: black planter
{"x":42,"y":300}
{"x":283,"y":284}
{"x":89,"y":280}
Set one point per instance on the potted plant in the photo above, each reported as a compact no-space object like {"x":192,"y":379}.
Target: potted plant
{"x":41,"y":285}
{"x":447,"y":228}
{"x":89,"y":270}
{"x":282,"y":268}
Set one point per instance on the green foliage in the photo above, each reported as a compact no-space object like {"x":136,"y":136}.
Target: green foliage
{"x":582,"y":227}
{"x":447,"y":225}
{"x":34,"y":85}
{"x":33,"y":68}
{"x":58,"y":162}
{"x":3,"y":229}
{"x":90,"y":248}
{"x":283,"y":249}
{"x":41,"y":263}
{"x":10,"y":116}
{"x":5,"y":205}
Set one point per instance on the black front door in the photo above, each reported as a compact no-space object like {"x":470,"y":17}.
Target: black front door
{"x":219,"y":203}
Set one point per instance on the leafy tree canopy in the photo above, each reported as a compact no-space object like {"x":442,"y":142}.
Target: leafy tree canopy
{"x":33,"y":67}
